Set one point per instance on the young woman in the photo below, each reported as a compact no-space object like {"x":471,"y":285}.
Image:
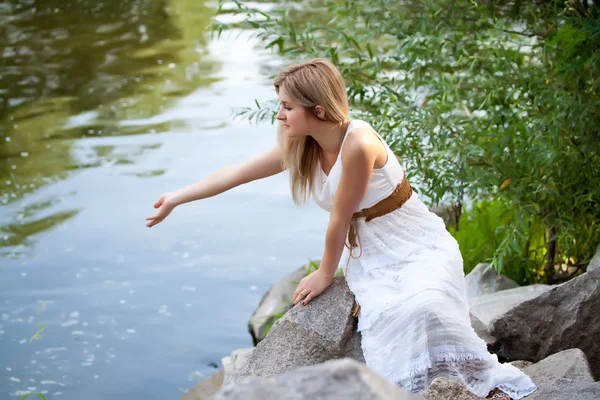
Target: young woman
{"x":401,"y":263}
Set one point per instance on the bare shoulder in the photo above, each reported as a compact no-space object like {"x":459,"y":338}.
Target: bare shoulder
{"x":361,"y":143}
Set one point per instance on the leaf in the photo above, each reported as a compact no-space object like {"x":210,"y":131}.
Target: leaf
{"x":505,"y":184}
{"x":369,"y":50}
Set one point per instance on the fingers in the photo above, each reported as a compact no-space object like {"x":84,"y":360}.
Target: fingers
{"x":159,"y":202}
{"x":308,"y":298}
{"x":299,"y":294}
{"x":153,"y":221}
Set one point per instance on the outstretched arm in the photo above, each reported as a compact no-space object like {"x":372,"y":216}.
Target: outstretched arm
{"x":358,"y":158}
{"x":267,"y":164}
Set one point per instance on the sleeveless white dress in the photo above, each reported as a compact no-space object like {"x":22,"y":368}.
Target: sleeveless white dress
{"x":409,"y":282}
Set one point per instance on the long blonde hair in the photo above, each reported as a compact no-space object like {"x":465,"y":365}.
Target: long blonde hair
{"x":308,"y":84}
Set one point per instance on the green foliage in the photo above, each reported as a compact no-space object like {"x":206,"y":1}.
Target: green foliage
{"x":483,"y":229}
{"x":483,"y":100}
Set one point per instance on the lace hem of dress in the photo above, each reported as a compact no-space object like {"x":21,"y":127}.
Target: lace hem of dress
{"x":515,"y":393}
{"x":418,"y":378}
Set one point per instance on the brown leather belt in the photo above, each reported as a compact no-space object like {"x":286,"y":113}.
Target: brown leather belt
{"x":393,"y":202}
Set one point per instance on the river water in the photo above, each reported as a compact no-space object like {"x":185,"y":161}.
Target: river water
{"x":106,"y":105}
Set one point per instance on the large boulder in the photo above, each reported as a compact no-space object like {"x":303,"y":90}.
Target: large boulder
{"x":206,"y":388}
{"x":569,"y":367}
{"x":595,"y":261}
{"x":332,"y":380}
{"x":235,"y":363}
{"x":564,"y":375}
{"x":485,"y":310}
{"x":276,"y":302}
{"x":484,"y":279}
{"x":322,"y":330}
{"x":566,"y":316}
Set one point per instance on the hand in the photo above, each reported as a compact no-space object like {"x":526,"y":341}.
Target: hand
{"x":165,"y":205}
{"x":311,"y":286}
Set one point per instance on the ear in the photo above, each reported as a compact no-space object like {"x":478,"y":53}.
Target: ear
{"x":319,"y":112}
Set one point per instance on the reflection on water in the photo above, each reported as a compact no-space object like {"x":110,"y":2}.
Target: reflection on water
{"x":86,"y":69}
{"x":105,"y":106}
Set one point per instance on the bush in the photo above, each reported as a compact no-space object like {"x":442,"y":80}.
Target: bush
{"x":493,"y":101}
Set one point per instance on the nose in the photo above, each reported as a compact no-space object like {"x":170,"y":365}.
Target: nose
{"x":279,"y":115}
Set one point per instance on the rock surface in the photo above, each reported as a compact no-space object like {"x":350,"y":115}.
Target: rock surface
{"x":206,"y":388}
{"x":336,"y":379}
{"x":443,"y":389}
{"x":322,"y":330}
{"x":567,"y":316}
{"x":595,"y":261}
{"x":485,"y":310}
{"x":277,"y":300}
{"x":235,"y":363}
{"x":484,"y":279}
{"x":565,"y":375}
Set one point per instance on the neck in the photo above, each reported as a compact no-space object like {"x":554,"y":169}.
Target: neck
{"x":330,"y":135}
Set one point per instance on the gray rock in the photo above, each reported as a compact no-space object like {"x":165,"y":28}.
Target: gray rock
{"x":484,"y":279}
{"x":521,"y":364}
{"x":564,"y":375}
{"x":235,"y":363}
{"x":584,"y":392}
{"x":595,"y":261}
{"x":482,"y":330}
{"x":206,"y":388}
{"x":353,"y":348}
{"x":485,"y":310}
{"x":569,"y":367}
{"x":443,"y":389}
{"x":564,"y":317}
{"x":277,"y":301}
{"x":336,"y":379}
{"x":307,"y":334}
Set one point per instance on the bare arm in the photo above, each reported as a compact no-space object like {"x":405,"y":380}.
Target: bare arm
{"x":267,"y":164}
{"x":227,"y":178}
{"x":358,"y":158}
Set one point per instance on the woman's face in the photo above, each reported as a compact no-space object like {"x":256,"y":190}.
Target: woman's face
{"x":296,"y":119}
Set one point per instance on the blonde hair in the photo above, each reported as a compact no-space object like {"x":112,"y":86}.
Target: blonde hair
{"x":308,"y":84}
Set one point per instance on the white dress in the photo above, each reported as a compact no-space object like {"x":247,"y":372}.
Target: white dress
{"x":409,"y":282}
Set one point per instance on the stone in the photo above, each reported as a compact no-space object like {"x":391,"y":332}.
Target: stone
{"x":206,"y":388}
{"x":235,"y":363}
{"x":595,"y":261}
{"x":353,"y":348}
{"x":485,"y":310}
{"x":564,"y":375}
{"x":521,"y":364}
{"x":484,"y":279}
{"x":276,"y":302}
{"x":584,"y":392}
{"x":306,"y":335}
{"x":561,"y":318}
{"x":443,"y":389}
{"x":332,"y":380}
{"x":568,"y":367}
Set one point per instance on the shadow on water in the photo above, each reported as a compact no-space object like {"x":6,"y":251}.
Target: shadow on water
{"x":81,"y":69}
